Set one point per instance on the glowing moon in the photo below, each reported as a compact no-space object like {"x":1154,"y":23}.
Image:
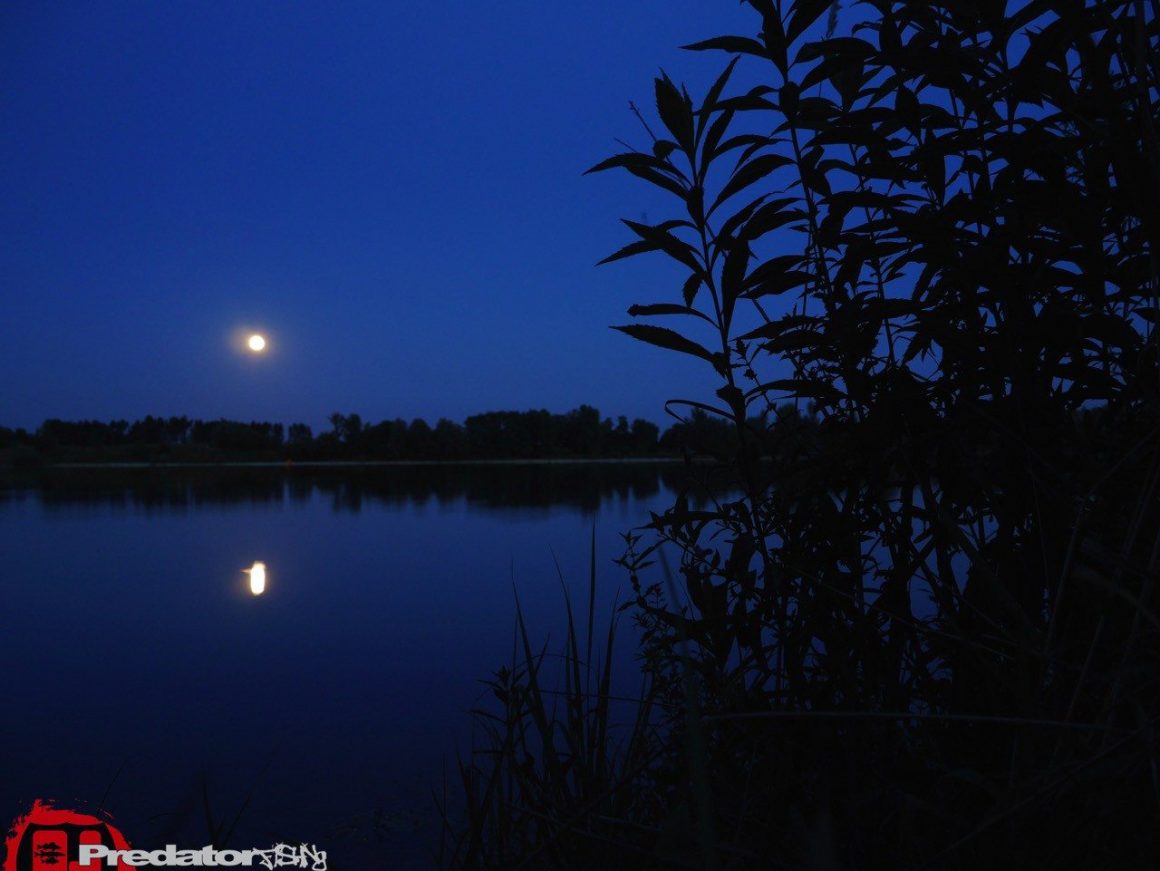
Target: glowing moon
{"x":257,"y":343}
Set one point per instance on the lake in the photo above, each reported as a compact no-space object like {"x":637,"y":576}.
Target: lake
{"x":143,"y":675}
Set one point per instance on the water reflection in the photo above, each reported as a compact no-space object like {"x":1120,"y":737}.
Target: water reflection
{"x":350,"y":489}
{"x":257,"y":573}
{"x":392,"y":600}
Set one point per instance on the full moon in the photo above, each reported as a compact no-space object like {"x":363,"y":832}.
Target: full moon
{"x":257,"y":343}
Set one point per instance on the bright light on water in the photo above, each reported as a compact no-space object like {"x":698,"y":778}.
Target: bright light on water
{"x":257,"y":573}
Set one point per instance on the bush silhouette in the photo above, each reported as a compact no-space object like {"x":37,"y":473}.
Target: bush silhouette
{"x":925,"y":634}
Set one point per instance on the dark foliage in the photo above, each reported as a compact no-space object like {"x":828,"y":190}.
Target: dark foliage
{"x":926,"y":636}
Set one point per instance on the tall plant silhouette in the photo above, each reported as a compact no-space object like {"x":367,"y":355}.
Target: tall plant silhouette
{"x":927,"y":630}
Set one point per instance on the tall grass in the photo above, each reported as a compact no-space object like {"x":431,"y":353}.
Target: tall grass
{"x":564,"y":772}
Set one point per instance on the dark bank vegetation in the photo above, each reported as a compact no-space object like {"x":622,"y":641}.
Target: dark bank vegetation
{"x":928,"y":636}
{"x":580,"y":433}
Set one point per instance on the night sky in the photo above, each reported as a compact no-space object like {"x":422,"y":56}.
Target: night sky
{"x":391,"y":192}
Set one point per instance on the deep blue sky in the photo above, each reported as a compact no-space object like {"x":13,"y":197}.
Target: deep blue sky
{"x":391,"y":191}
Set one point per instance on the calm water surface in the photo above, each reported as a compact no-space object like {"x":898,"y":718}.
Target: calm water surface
{"x":141,"y":671}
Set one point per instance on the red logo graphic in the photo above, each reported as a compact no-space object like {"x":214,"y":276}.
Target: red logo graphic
{"x":49,"y":839}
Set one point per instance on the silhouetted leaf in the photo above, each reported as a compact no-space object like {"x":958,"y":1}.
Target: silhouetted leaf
{"x":692,"y":285}
{"x":735,"y":44}
{"x":708,"y":107}
{"x":774,"y":282}
{"x":806,"y":388}
{"x":664,"y":308}
{"x":665,"y":338}
{"x":749,"y":141}
{"x":805,"y":13}
{"x":630,"y":160}
{"x":773,"y":36}
{"x":848,"y":80}
{"x":733,"y":275}
{"x":648,"y":167}
{"x":756,"y":169}
{"x":660,"y":239}
{"x":753,"y":100}
{"x":713,"y":138}
{"x":733,"y":223}
{"x":630,"y":250}
{"x":777,"y":273}
{"x":787,"y":99}
{"x":695,"y":203}
{"x":675,"y":111}
{"x":776,"y":328}
{"x":769,"y":217}
{"x":656,"y":231}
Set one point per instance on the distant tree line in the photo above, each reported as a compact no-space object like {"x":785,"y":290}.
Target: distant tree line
{"x":536,"y":434}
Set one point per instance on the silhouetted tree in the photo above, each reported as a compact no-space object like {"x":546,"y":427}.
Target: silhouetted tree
{"x":347,"y":428}
{"x":419,"y":443}
{"x":450,"y":440}
{"x":644,"y":437}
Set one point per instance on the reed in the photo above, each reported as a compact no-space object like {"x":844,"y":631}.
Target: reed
{"x":563,"y":765}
